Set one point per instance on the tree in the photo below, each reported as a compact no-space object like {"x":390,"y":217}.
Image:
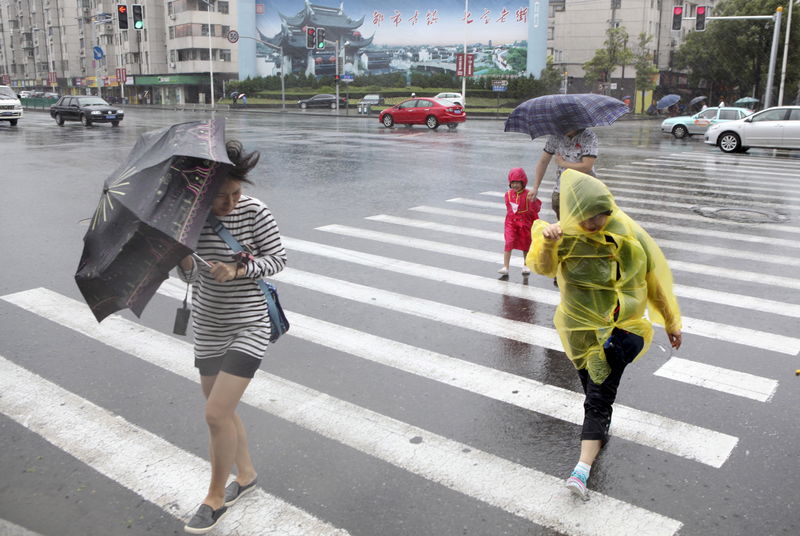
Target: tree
{"x":732,"y":56}
{"x":645,"y":68}
{"x":615,"y":54}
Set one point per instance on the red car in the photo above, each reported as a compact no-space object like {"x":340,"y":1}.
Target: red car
{"x":428,"y":111}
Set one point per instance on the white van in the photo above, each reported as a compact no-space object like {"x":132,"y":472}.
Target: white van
{"x":10,"y":106}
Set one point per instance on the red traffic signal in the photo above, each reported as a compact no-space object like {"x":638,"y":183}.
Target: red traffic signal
{"x":311,"y":37}
{"x":700,"y":18}
{"x":677,"y":17}
{"x":122,"y":16}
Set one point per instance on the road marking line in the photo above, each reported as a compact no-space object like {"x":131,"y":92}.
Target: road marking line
{"x":522,"y":491}
{"x":726,"y":235}
{"x":709,"y":188}
{"x":7,"y":528}
{"x":151,"y":467}
{"x":648,"y":429}
{"x":636,"y":210}
{"x":719,"y":379}
{"x":671,"y":175}
{"x":774,"y":175}
{"x":706,"y":328}
{"x":760,"y":162}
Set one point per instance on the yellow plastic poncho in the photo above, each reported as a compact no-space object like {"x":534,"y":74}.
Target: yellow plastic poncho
{"x":619,"y":267}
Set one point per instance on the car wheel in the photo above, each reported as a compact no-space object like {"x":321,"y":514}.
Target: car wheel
{"x":333,"y":106}
{"x":85,"y":121}
{"x":432,"y":122}
{"x":114,"y":123}
{"x":680,"y":131}
{"x":388,"y":121}
{"x":13,"y":122}
{"x":59,"y":120}
{"x":303,"y":105}
{"x":730,"y":143}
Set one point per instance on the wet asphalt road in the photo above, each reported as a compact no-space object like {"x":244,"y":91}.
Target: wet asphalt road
{"x":323,"y":175}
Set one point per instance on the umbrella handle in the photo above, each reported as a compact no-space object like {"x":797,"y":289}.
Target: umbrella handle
{"x":201,"y":259}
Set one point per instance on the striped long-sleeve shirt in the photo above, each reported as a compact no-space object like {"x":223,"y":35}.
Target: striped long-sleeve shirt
{"x":223,"y":311}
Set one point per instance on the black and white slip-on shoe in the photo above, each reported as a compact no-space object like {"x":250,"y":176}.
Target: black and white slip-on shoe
{"x":205,"y":519}
{"x":234,"y":491}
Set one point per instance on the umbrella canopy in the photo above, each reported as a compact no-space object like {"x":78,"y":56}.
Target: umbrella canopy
{"x":696,"y":100}
{"x":745,"y":101}
{"x":667,"y":101}
{"x":559,"y":114}
{"x":150,"y":214}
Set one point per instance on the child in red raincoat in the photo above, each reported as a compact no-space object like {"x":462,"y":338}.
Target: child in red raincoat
{"x":520,"y":215}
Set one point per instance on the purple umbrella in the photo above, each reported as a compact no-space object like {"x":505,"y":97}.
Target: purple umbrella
{"x":559,"y":114}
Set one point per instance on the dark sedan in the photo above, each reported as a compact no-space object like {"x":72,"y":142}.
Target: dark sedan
{"x":87,"y":110}
{"x":322,"y":100}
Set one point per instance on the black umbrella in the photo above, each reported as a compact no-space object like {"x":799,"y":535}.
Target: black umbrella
{"x":150,"y":214}
{"x":697,"y":100}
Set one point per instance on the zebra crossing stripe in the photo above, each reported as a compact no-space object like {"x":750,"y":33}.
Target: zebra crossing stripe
{"x":637,"y":210}
{"x":151,"y":467}
{"x":706,"y":328}
{"x":781,"y":260}
{"x":530,"y":494}
{"x":648,"y":429}
{"x":7,"y":528}
{"x":768,"y":161}
{"x":780,"y":176}
{"x":720,"y":193}
{"x":718,"y":378}
{"x":683,"y":291}
{"x":721,"y":178}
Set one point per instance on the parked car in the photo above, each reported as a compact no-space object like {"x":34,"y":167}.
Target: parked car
{"x":428,"y":111}
{"x":10,"y":106}
{"x":322,"y":100}
{"x":458,"y":98}
{"x":86,"y":109}
{"x":773,"y":128}
{"x":689,"y":125}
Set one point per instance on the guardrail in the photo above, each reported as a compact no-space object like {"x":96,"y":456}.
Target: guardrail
{"x":38,"y":103}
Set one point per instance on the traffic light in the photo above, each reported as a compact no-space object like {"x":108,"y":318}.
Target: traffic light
{"x":138,"y":16}
{"x":311,"y":37}
{"x":320,"y":38}
{"x":677,"y":17}
{"x":700,"y":19}
{"x":122,"y":16}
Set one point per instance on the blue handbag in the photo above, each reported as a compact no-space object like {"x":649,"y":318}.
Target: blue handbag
{"x":277,"y":318}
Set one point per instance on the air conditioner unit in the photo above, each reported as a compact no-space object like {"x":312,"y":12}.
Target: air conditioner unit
{"x":172,"y":17}
{"x":172,"y":65}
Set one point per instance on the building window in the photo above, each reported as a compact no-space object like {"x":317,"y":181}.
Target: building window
{"x":222,"y":7}
{"x":225,"y":54}
{"x":204,"y":29}
{"x":172,"y":32}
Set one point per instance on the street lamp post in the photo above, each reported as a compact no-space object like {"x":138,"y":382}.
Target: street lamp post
{"x":785,"y":53}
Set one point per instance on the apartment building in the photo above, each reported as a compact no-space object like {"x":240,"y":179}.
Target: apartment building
{"x":79,"y":47}
{"x":577,"y":29}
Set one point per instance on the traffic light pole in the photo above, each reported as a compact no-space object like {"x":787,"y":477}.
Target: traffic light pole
{"x":785,"y":53}
{"x":774,"y":50}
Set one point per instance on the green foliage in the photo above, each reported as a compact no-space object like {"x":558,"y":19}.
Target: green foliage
{"x":643,"y":62}
{"x":517,"y":58}
{"x":615,"y":54}
{"x":732,"y":56}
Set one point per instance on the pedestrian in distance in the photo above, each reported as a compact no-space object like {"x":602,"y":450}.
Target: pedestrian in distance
{"x":521,"y":212}
{"x":610,"y":271}
{"x":231,"y":327}
{"x":243,"y":98}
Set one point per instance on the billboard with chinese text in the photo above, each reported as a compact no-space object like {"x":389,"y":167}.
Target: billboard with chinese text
{"x":380,"y":36}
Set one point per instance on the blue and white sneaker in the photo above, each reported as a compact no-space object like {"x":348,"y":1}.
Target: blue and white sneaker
{"x":576,"y":483}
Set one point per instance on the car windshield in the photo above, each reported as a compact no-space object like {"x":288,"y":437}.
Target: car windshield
{"x":92,"y":101}
{"x":7,"y":93}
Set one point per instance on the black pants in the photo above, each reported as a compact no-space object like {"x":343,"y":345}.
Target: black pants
{"x":621,"y":348}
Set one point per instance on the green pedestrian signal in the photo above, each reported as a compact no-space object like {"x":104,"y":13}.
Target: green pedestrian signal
{"x":138,"y":16}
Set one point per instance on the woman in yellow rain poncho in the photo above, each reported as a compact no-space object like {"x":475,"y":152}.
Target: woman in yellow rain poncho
{"x":609,"y":272}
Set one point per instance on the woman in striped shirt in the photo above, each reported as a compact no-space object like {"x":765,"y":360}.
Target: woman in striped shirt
{"x":231,"y":328}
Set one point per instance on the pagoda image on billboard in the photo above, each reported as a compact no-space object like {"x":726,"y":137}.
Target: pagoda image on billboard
{"x":339,"y":30}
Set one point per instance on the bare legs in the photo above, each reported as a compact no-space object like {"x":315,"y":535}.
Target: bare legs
{"x":228,"y":439}
{"x":590,"y":448}
{"x":507,"y":258}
